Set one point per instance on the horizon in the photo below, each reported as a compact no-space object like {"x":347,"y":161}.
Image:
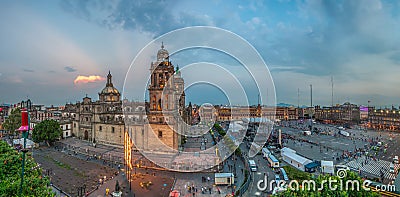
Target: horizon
{"x":65,"y":49}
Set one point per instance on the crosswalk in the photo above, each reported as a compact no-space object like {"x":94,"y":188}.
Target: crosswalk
{"x":373,"y":167}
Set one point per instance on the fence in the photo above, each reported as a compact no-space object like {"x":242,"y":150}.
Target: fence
{"x":242,"y":189}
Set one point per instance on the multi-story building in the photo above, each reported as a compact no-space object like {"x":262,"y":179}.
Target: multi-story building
{"x":384,"y":119}
{"x":346,"y":113}
{"x":98,"y":121}
{"x":226,"y":113}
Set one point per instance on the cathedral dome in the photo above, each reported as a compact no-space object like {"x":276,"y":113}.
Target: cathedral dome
{"x":109,"y":93}
{"x":162,"y":54}
{"x":109,"y":90}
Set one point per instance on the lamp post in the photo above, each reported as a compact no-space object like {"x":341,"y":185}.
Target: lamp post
{"x":25,"y":131}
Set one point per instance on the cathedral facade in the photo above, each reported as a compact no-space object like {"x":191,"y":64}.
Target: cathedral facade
{"x":161,"y":119}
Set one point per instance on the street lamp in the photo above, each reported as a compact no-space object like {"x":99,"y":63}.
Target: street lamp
{"x":25,"y":131}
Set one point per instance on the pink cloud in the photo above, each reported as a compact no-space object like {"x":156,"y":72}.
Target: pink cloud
{"x":88,"y":79}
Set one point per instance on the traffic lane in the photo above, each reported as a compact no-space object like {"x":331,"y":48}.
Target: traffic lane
{"x":264,"y":172}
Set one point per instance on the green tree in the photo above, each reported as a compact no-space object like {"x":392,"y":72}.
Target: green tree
{"x":219,"y":129}
{"x":47,"y":131}
{"x":10,"y":175}
{"x":13,"y":122}
{"x":343,"y":188}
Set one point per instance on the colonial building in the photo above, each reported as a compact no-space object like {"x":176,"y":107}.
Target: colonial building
{"x":98,"y":121}
{"x":345,"y":113}
{"x":224,"y":113}
{"x":165,"y":115}
{"x":384,"y":119}
{"x":161,"y":119}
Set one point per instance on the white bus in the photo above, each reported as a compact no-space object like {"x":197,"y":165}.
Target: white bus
{"x":266,"y":152}
{"x":253,"y":165}
{"x":273,"y":162}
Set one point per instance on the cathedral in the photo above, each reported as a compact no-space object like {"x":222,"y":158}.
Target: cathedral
{"x":160,"y":125}
{"x":161,"y":119}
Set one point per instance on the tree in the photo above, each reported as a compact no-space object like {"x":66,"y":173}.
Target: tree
{"x":47,"y":131}
{"x":339,"y":187}
{"x":10,"y":175}
{"x":13,"y":122}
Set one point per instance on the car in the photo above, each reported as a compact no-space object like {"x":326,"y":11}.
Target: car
{"x":396,"y":159}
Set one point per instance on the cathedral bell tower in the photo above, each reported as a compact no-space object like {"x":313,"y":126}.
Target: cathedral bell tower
{"x":165,"y":100}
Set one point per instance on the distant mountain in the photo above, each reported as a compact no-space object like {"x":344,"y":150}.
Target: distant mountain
{"x":289,"y":105}
{"x":284,"y":105}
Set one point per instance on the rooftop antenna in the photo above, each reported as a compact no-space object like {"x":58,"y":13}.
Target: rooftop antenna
{"x":332,"y":89}
{"x":311,"y":94}
{"x":298,"y":97}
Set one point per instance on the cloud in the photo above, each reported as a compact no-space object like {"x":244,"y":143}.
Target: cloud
{"x":88,"y":79}
{"x":155,"y":17}
{"x":70,"y":69}
{"x":28,"y":70}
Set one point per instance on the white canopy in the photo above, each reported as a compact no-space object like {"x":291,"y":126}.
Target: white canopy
{"x":29,"y":143}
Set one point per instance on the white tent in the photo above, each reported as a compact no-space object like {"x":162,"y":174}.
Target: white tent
{"x":29,"y":143}
{"x":327,"y":167}
{"x":286,"y":149}
{"x":295,"y":160}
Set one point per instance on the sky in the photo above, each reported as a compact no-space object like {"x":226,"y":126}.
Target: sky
{"x":58,"y":51}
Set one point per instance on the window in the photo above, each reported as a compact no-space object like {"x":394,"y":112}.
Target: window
{"x":75,"y":125}
{"x":112,"y":129}
{"x":66,"y":127}
{"x":160,"y":134}
{"x":87,"y":119}
{"x":100,"y":128}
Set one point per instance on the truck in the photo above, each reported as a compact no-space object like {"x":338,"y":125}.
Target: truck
{"x":344,"y":133}
{"x":307,"y":132}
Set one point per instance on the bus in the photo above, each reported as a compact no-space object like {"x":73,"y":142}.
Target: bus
{"x":285,"y":176}
{"x":253,"y":165}
{"x":273,"y":162}
{"x":266,"y":152}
